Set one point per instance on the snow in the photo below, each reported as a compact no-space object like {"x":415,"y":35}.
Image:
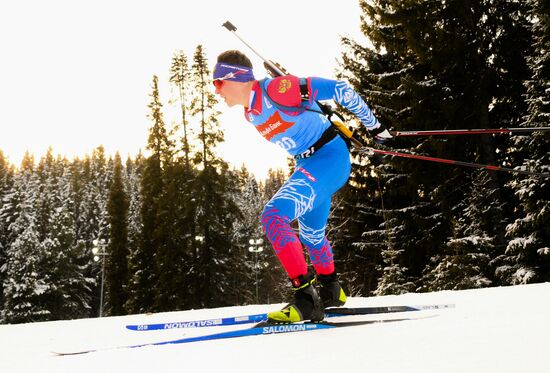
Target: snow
{"x":489,"y":330}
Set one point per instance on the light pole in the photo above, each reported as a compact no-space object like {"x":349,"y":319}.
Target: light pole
{"x":99,"y":254}
{"x":256,"y":248}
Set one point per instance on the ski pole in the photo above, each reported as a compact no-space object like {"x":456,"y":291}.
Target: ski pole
{"x":372,"y":151}
{"x":468,"y":131}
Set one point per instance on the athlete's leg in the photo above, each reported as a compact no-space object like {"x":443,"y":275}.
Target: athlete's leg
{"x":313,"y":236}
{"x":295,"y":198}
{"x":328,"y":171}
{"x":306,"y":196}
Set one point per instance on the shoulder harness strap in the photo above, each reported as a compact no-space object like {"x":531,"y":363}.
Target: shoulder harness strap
{"x":304,"y":91}
{"x":304,"y":94}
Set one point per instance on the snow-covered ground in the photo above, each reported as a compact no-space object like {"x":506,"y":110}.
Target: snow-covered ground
{"x":488,"y":330}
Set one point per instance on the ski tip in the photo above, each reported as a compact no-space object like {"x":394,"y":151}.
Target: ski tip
{"x":436,"y":306}
{"x":71,"y":353}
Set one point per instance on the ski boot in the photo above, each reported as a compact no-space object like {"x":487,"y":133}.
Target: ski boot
{"x":306,"y":306}
{"x":332,"y":294}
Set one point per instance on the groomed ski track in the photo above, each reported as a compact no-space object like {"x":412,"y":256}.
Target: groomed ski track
{"x":489,"y":330}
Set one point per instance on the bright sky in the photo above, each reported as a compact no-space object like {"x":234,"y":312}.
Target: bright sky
{"x":77,"y":74}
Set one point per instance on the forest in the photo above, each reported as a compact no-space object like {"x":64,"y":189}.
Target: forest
{"x":171,"y":229}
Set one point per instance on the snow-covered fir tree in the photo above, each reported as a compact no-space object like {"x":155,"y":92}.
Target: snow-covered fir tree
{"x":142,"y":267}
{"x":69,"y":292}
{"x":116,"y":268}
{"x":6,"y":184}
{"x":248,"y":198}
{"x":464,"y":261}
{"x":180,"y":77}
{"x":411,"y":84}
{"x":43,"y":278}
{"x":24,"y":282}
{"x":527,"y":255}
{"x":134,"y":170}
{"x":92,"y":223}
{"x":176,"y":207}
{"x":214,"y":208}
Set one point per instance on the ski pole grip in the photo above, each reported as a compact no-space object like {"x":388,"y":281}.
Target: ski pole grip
{"x":228,"y":25}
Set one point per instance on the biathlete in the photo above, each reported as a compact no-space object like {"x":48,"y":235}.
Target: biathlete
{"x":284,"y":111}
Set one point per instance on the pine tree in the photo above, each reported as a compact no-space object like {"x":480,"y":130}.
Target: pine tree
{"x":527,"y":255}
{"x":28,"y":284}
{"x":116,"y":269}
{"x":464,"y":262}
{"x":180,"y":77}
{"x":203,"y":107}
{"x":177,"y":209}
{"x":455,"y":69}
{"x":24,"y":281}
{"x":69,"y":293}
{"x":84,"y":218}
{"x":92,"y":181}
{"x":134,"y":171}
{"x":45,"y":201}
{"x":214,"y":211}
{"x":175,"y":226}
{"x":248,"y":198}
{"x":143,"y":266}
{"x":44,"y":279}
{"x":357,"y":258}
{"x":6,"y":183}
{"x":394,"y":279}
{"x":175,"y":206}
{"x":214,"y":247}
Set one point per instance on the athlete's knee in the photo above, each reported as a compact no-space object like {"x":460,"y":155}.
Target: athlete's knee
{"x":272,"y":220}
{"x":267,"y":216}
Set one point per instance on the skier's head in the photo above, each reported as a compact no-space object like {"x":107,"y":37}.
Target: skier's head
{"x":235,"y":57}
{"x":233,"y":76}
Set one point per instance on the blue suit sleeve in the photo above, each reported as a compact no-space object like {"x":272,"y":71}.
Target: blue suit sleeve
{"x":341,"y":92}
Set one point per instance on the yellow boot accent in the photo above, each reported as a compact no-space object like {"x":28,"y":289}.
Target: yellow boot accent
{"x":286,"y":315}
{"x":342,"y":298}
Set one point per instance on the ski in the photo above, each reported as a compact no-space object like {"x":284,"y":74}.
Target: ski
{"x":261,"y":328}
{"x":256,"y":318}
{"x":225,"y":321}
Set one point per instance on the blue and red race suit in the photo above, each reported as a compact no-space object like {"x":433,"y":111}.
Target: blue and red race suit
{"x":297,"y":130}
{"x":307,"y":194}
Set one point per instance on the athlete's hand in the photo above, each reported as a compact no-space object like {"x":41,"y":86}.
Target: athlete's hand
{"x":382,"y":137}
{"x":380,"y":134}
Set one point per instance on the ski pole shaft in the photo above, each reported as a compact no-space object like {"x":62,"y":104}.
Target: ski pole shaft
{"x":468,"y":131}
{"x":228,"y":25}
{"x":453,"y":162}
